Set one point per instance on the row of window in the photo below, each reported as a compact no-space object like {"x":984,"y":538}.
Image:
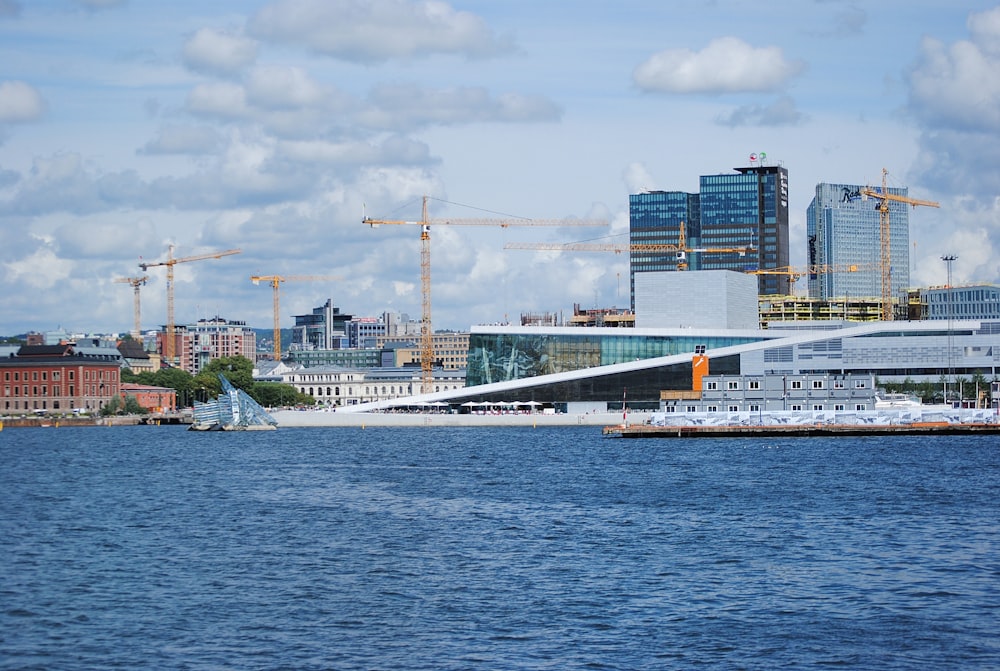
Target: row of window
{"x":798,"y":407}
{"x":43,"y":376}
{"x":734,"y":385}
{"x":44,"y":390}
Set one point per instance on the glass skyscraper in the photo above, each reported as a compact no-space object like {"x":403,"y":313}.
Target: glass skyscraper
{"x":654,"y":219}
{"x":749,"y":208}
{"x":842,"y":230}
{"x":740,"y":210}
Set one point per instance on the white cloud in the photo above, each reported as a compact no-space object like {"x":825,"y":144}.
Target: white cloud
{"x":638,"y":179}
{"x":376,"y":30}
{"x":959,"y":86}
{"x":220,"y":53}
{"x":726,"y":65}
{"x":395,"y":150}
{"x":782,"y":112}
{"x":408,"y":106}
{"x":41,"y":270}
{"x":276,"y":87}
{"x":219,"y":99}
{"x":20,"y":102}
{"x":175,"y":139}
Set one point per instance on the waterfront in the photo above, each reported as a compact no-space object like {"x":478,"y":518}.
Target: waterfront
{"x":495,"y":548}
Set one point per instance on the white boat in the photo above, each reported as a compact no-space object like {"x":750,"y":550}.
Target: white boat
{"x":896,"y":402}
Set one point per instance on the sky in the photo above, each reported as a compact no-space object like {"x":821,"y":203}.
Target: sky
{"x":275,"y":126}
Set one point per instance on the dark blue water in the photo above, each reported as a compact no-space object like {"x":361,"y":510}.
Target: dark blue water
{"x":154,"y":547}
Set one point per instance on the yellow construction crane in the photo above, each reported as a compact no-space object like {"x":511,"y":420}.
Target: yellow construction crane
{"x":681,"y":248}
{"x":425,"y":223}
{"x":794,"y":274}
{"x":170,"y":346}
{"x":275,"y":281}
{"x":136,"y":282}
{"x":885,"y":258}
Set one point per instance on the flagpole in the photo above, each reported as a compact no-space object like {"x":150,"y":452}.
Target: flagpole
{"x":624,"y":409}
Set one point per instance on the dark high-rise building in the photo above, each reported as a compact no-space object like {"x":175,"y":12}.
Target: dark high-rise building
{"x":731,"y":214}
{"x":748,"y":208}
{"x":654,"y":219}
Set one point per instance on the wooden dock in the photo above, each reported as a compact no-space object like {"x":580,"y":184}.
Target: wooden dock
{"x":798,"y":430}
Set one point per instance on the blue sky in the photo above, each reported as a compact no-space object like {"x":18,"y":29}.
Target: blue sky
{"x":273,"y":126}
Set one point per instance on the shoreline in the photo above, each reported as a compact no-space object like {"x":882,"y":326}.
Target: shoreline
{"x":306,"y":418}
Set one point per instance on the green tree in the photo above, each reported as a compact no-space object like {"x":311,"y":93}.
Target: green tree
{"x":132,"y":406}
{"x":276,"y":394}
{"x":237,"y":369}
{"x":112,"y":407}
{"x":179,"y":380}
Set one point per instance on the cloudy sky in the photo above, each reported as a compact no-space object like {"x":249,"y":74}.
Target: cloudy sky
{"x":274,"y":126}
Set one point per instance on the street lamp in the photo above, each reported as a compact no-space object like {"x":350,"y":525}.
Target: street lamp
{"x":949,"y":259}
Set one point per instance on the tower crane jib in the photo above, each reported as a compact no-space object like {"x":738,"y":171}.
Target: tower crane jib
{"x":275,"y":282}
{"x":425,"y":223}
{"x":885,"y":258}
{"x":169,"y":347}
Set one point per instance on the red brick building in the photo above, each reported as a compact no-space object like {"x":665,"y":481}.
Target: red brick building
{"x":153,"y":399}
{"x":57,"y":379}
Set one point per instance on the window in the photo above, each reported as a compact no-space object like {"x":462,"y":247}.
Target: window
{"x":817,"y":384}
{"x":732,"y":385}
{"x":691,"y":408}
{"x":754,"y":408}
{"x":712,"y":408}
{"x":753,"y":384}
{"x":734,"y":408}
{"x":711,"y":386}
{"x":860,"y":384}
{"x":797,"y":406}
{"x":838,"y":384}
{"x":796,"y":384}
{"x":860,"y":406}
{"x":839,"y":407}
{"x":817,"y":406}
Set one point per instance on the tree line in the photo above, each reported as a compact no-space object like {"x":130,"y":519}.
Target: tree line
{"x":205,"y":385}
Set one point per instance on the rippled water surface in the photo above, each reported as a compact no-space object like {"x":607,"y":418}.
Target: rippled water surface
{"x":377,"y":548}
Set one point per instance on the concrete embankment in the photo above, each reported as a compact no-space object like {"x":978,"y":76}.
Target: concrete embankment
{"x":310,"y":418}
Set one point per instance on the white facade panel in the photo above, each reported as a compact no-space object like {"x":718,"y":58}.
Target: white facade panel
{"x":702,"y":299}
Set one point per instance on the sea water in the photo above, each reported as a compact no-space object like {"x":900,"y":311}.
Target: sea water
{"x":476,"y":548}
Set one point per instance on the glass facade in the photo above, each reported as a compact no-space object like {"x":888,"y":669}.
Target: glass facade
{"x":500,"y":357}
{"x":749,"y":208}
{"x":736,"y":211}
{"x":970,"y":302}
{"x":843,"y":229}
{"x":654,"y":219}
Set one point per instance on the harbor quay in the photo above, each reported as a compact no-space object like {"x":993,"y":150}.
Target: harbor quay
{"x":319,"y":418}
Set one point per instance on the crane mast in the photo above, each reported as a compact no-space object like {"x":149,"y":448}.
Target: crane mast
{"x":135,"y":282}
{"x":425,"y":223}
{"x":885,"y":257}
{"x":275,"y":282}
{"x":169,"y":347}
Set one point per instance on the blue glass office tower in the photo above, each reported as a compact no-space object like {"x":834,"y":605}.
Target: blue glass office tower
{"x":747,"y":209}
{"x":842,"y":230}
{"x":654,"y":219}
{"x":740,"y":210}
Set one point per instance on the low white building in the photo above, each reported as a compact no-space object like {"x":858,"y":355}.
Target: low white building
{"x":338,"y":386}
